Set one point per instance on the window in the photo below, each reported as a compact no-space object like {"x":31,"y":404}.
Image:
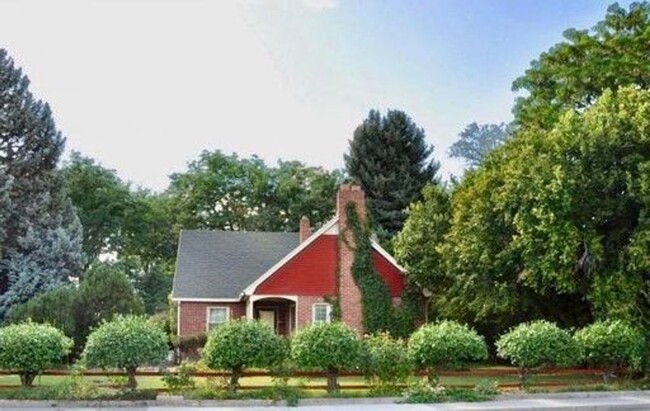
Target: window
{"x":321,"y":313}
{"x":217,"y":316}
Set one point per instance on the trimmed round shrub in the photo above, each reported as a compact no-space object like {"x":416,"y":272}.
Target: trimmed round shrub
{"x":385,"y":362}
{"x":330,"y":347}
{"x":443,"y":345}
{"x":611,"y":345}
{"x":243,"y":343}
{"x":537,"y":344}
{"x":29,"y":348}
{"x":126,"y":342}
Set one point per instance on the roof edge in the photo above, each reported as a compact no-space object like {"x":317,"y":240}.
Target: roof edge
{"x":253,"y":286}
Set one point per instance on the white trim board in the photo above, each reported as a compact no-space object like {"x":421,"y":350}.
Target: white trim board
{"x":250,"y":290}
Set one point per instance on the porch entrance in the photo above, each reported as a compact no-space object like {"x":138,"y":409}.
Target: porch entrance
{"x":279,"y":313}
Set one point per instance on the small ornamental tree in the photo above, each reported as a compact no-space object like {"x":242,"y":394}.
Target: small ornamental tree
{"x":126,"y":342}
{"x":243,"y":343}
{"x":444,"y":345}
{"x":29,"y":348}
{"x":385,"y":361}
{"x":537,"y":344}
{"x":610,"y":345}
{"x":331,"y":347}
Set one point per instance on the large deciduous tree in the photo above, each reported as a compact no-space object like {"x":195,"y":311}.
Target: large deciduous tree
{"x":226,"y":192}
{"x":391,"y":159}
{"x":41,"y":234}
{"x":477,"y":140}
{"x":556,"y":224}
{"x":573,"y":73}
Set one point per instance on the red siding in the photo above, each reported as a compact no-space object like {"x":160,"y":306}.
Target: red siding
{"x":312,"y":272}
{"x":391,"y":275}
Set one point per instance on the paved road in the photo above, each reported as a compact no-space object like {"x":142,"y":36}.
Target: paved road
{"x":628,"y":401}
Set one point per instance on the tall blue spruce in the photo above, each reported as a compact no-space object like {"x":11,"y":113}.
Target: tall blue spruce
{"x":391,"y":159}
{"x":40,"y":234}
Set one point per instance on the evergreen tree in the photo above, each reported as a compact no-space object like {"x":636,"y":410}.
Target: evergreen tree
{"x":40,"y":246}
{"x":390,"y":158}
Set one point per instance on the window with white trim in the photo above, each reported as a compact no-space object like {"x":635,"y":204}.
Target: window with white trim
{"x":217,"y":316}
{"x":321,"y":313}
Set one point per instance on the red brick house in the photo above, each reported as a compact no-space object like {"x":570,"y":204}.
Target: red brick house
{"x":286,"y":279}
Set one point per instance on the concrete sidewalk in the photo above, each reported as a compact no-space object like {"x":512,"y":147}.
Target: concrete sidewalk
{"x":588,"y":401}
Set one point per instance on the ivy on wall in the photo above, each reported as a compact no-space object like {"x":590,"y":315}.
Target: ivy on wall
{"x":378,"y":311}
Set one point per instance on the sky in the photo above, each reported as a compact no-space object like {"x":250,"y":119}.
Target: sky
{"x":143,"y":86}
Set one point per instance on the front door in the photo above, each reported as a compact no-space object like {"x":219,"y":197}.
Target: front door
{"x":268,"y":317}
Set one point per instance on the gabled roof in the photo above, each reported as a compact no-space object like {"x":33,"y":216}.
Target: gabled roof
{"x":219,"y":265}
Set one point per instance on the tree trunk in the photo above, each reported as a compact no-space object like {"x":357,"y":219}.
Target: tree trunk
{"x":234,"y":380}
{"x":27,"y":378}
{"x":332,"y":380}
{"x":524,"y":374}
{"x":132,"y":383}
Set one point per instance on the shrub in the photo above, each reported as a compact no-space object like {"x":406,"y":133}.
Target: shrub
{"x":180,"y":380}
{"x":29,"y":348}
{"x":331,"y":347}
{"x":385,"y":362}
{"x":537,"y":344}
{"x":55,"y":307}
{"x":243,"y":343}
{"x":610,"y":345}
{"x":126,"y":342}
{"x":443,"y":345}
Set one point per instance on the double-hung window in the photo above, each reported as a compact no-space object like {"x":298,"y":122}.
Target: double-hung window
{"x":321,"y":313}
{"x":217,"y":316}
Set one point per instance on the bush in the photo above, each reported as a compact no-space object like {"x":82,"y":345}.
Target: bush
{"x":444,"y":345}
{"x":537,"y":344}
{"x":385,"y":362}
{"x":126,"y":342}
{"x":243,"y":343}
{"x":29,"y":348}
{"x":610,"y":345}
{"x":181,"y":380}
{"x":331,"y":347}
{"x":55,"y":307}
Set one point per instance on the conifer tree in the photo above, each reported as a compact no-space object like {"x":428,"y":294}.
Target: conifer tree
{"x":390,"y":158}
{"x":40,"y":241}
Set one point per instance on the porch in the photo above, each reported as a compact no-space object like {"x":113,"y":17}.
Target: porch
{"x":277,"y":311}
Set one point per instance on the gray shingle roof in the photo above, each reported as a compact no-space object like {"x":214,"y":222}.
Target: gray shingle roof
{"x":221,"y":264}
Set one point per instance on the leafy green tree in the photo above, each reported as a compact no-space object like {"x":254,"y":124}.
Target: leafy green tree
{"x":41,"y":243}
{"x":477,"y":140}
{"x":574,"y":73}
{"x":555,"y":224}
{"x":611,"y":345}
{"x":385,"y":362}
{"x":331,"y":347}
{"x":126,"y":342}
{"x":416,"y":246}
{"x":29,"y":348}
{"x":104,"y":292}
{"x":102,"y":201}
{"x":239,"y":344}
{"x":391,"y":160}
{"x":56,"y":307}
{"x":443,"y":345}
{"x":226,"y":192}
{"x":538,"y":344}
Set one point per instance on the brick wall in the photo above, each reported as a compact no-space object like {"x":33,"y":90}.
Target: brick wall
{"x":350,"y":296}
{"x":193,"y":315}
{"x":304,"y":308}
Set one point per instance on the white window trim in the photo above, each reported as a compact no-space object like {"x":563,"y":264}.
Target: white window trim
{"x":328,"y":313}
{"x":207,"y":314}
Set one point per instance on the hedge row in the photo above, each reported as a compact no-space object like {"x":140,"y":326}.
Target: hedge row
{"x":130,"y":342}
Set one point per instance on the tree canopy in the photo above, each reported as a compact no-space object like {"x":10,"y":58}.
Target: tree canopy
{"x":573,"y":73}
{"x":391,"y":160}
{"x":40,"y":238}
{"x":477,"y":140}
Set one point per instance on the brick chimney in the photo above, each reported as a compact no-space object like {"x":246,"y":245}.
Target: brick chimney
{"x":305,"y":228}
{"x":349,"y":294}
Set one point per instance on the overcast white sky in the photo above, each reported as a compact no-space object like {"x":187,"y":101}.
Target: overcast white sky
{"x":145,"y":86}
